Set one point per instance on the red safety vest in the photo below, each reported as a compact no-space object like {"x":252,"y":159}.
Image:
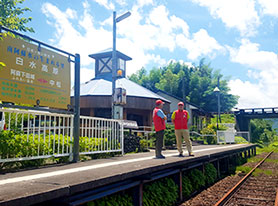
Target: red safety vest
{"x":159,"y":123}
{"x":181,"y":119}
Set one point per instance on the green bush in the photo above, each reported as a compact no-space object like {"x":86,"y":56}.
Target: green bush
{"x":169,"y":135}
{"x":119,"y":199}
{"x":239,"y":139}
{"x":197,"y":179}
{"x":211,"y":130}
{"x":16,"y":145}
{"x":21,"y":145}
{"x":210,"y":174}
{"x":208,"y":131}
{"x":143,"y":145}
{"x":187,"y":188}
{"x":162,"y":192}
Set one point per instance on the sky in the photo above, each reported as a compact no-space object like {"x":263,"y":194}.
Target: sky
{"x":239,"y":37}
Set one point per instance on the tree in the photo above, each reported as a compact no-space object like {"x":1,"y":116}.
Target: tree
{"x":9,"y":17}
{"x":194,"y":84}
{"x":262,"y":131}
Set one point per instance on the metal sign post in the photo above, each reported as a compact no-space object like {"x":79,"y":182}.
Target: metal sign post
{"x":76,"y":129}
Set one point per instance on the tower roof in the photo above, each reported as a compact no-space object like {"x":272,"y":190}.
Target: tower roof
{"x":108,"y":53}
{"x":102,"y":87}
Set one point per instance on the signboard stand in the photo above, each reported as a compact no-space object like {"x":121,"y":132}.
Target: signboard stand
{"x":39,"y":74}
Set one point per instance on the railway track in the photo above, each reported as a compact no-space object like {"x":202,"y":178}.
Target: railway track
{"x":253,"y":190}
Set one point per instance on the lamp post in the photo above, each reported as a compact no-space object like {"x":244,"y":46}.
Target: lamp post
{"x":114,"y":55}
{"x":217,"y":91}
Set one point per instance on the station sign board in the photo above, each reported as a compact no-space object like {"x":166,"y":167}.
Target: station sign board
{"x":33,"y":75}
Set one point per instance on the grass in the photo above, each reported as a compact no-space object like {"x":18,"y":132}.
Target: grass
{"x":275,"y":161}
{"x":272,"y":147}
{"x":243,"y":169}
{"x":240,"y":140}
{"x":259,"y":171}
{"x":254,"y":159}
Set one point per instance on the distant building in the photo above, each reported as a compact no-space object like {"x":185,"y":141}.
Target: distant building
{"x":96,"y":94}
{"x":197,"y":115}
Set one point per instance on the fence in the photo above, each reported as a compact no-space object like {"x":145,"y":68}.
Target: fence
{"x":39,"y":134}
{"x":225,"y":136}
{"x":99,"y":135}
{"x":245,"y":135}
{"x":229,"y":136}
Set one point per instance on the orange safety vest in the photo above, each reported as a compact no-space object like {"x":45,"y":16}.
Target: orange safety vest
{"x":159,"y":123}
{"x":181,"y":119}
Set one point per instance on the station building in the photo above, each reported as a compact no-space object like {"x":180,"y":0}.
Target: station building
{"x":96,"y":94}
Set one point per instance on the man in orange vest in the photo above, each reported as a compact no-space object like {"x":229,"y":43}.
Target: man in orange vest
{"x":179,"y":119}
{"x":159,"y":125}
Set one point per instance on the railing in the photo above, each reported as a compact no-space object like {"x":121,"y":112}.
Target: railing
{"x":39,"y":134}
{"x":269,"y":110}
{"x":229,"y":136}
{"x":36,"y":135}
{"x":193,"y":133}
{"x":99,"y":135}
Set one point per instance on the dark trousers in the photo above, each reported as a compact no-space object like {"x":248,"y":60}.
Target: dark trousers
{"x":159,"y":142}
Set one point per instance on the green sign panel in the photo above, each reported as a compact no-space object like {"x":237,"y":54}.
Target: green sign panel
{"x":33,"y":74}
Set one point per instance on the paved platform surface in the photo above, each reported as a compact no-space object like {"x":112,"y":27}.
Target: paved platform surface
{"x":33,"y":186}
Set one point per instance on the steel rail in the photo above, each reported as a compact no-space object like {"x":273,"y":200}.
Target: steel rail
{"x":232,"y":191}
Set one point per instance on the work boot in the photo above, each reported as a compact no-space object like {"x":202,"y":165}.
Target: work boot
{"x":191,"y":154}
{"x":160,"y":157}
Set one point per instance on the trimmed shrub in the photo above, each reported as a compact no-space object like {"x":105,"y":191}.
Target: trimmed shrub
{"x":210,"y":174}
{"x":162,"y":192}
{"x":187,"y":188}
{"x":131,"y":143}
{"x":169,"y":135}
{"x":197,"y":179}
{"x":119,"y":199}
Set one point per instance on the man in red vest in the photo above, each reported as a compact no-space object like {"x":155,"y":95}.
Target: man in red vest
{"x":159,"y":125}
{"x":179,"y":119}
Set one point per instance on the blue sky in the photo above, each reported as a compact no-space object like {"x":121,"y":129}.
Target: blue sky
{"x":239,"y":37}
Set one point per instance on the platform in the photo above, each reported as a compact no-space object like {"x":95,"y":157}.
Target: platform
{"x":44,"y":184}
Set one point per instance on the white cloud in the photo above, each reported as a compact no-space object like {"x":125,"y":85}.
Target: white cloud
{"x":251,"y":95}
{"x":138,"y":36}
{"x":86,"y":74}
{"x":249,"y":55}
{"x":142,"y":3}
{"x":182,"y":62}
{"x":200,"y":45}
{"x":269,"y":7}
{"x":121,"y":2}
{"x":263,"y":69}
{"x":106,"y":4}
{"x":71,"y":13}
{"x":239,"y":14}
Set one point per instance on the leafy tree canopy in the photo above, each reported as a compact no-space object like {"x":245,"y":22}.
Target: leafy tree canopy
{"x":262,"y":131}
{"x":194,"y":84}
{"x":10,"y":15}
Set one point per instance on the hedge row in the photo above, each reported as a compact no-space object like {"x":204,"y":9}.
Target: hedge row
{"x":164,"y":192}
